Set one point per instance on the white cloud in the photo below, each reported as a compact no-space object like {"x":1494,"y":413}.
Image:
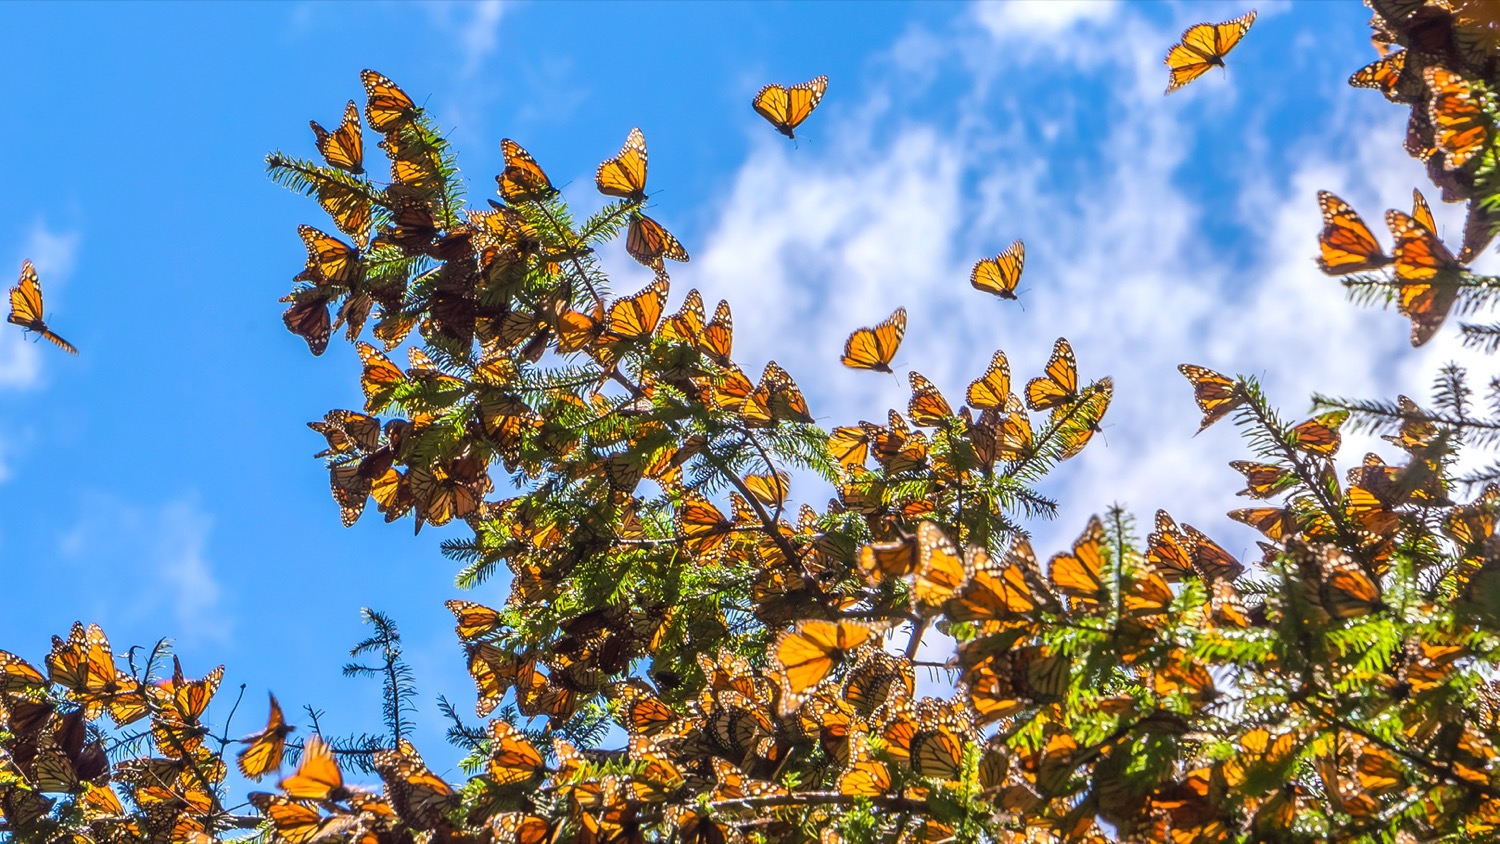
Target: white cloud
{"x":1040,"y":18}
{"x":164,"y":550}
{"x":53,"y":253}
{"x":812,"y":244}
{"x":476,"y":27}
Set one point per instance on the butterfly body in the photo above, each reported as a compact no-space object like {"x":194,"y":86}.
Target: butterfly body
{"x":26,"y":308}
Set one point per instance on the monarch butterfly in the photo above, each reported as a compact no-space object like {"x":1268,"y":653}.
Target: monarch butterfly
{"x":875,"y":680}
{"x":379,"y":379}
{"x":1346,"y":243}
{"x":329,"y":260}
{"x":26,"y":308}
{"x":1000,"y":275}
{"x":512,"y":757}
{"x":787,"y":107}
{"x":990,"y":390}
{"x":1203,"y":46}
{"x":648,"y":242}
{"x":344,"y":147}
{"x":265,"y":747}
{"x":865,"y":775}
{"x":416,"y":165}
{"x":643,"y":713}
{"x":1336,"y":582}
{"x":873,"y":348}
{"x":1275,"y":522}
{"x":1004,"y":594}
{"x":1320,"y":434}
{"x":521,"y":828}
{"x":1427,"y":273}
{"x":1080,"y":575}
{"x":776,"y":398}
{"x":318,"y":777}
{"x":84,"y":664}
{"x":927,"y":407}
{"x":1215,"y":394}
{"x":940,"y":568}
{"x":938,"y":753}
{"x":635,"y":317}
{"x":1083,"y":418}
{"x":298,"y":823}
{"x":1059,"y":384}
{"x":1422,"y":212}
{"x":522,"y":180}
{"x":885,"y":560}
{"x":718,"y":336}
{"x":16,"y":674}
{"x":183,"y":703}
{"x":474,"y":620}
{"x":419,"y":796}
{"x":808,"y":652}
{"x":770,"y":489}
{"x":625,"y":174}
{"x":1383,"y":75}
{"x":1458,"y":119}
{"x":388,"y":107}
{"x":495,"y":672}
{"x":703,"y":527}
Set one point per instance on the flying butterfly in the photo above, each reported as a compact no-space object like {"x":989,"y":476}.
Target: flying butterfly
{"x":648,"y":242}
{"x":265,"y":747}
{"x":344,"y":147}
{"x":318,"y":777}
{"x":1059,"y":385}
{"x":873,"y":348}
{"x":388,"y":107}
{"x":1204,"y":46}
{"x":787,"y":107}
{"x":26,"y":308}
{"x":523,"y":180}
{"x":1346,"y":243}
{"x":625,"y":174}
{"x":1427,"y":274}
{"x":1459,"y":122}
{"x":1000,"y":275}
{"x":1215,"y":394}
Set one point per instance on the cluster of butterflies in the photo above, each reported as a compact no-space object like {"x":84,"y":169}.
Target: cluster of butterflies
{"x":1426,"y":275}
{"x":26,"y":308}
{"x":1436,"y":71}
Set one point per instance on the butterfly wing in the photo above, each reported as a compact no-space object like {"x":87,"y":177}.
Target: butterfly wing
{"x":873,"y":348}
{"x":989,"y":391}
{"x":1000,"y":275}
{"x":1383,"y":75}
{"x":1215,"y":394}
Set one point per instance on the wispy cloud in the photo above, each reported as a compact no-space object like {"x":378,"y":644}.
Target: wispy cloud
{"x":1125,"y":253}
{"x":53,"y":252}
{"x":157,"y":557}
{"x":476,"y":26}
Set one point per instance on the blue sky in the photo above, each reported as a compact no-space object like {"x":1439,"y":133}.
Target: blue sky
{"x":161,"y":483}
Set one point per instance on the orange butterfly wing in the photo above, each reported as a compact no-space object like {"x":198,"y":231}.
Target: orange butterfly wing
{"x":388,"y":106}
{"x":1461,"y":128}
{"x":1059,"y":385}
{"x":648,"y":242}
{"x":523,"y":180}
{"x":1427,"y":273}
